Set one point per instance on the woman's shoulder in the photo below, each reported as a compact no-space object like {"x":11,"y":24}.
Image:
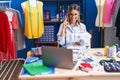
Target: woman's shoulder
{"x":82,"y":24}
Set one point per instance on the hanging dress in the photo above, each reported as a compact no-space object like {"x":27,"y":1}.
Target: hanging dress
{"x":5,"y":37}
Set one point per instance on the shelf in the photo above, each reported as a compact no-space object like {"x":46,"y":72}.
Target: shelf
{"x":61,"y":0}
{"x":55,"y":21}
{"x":50,"y":21}
{"x":46,"y":42}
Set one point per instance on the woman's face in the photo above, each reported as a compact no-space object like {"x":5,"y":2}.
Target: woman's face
{"x":73,"y":16}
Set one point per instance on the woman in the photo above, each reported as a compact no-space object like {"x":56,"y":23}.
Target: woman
{"x":71,"y":27}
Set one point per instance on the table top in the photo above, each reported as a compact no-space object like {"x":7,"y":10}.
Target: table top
{"x":75,"y":72}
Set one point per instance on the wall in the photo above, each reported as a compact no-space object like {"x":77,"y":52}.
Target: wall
{"x":91,"y":13}
{"x":90,"y":23}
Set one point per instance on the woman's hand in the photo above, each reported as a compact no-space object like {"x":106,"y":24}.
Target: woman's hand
{"x":77,"y":43}
{"x":65,"y":23}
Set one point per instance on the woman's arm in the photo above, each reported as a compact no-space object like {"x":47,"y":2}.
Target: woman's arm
{"x":62,"y":32}
{"x":64,"y":25}
{"x":61,"y":35}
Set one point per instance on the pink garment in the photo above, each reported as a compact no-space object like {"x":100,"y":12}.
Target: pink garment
{"x":14,"y":27}
{"x":110,"y":7}
{"x":14,"y":20}
{"x":11,"y":54}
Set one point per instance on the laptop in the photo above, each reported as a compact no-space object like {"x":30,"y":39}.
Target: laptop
{"x":57,"y":57}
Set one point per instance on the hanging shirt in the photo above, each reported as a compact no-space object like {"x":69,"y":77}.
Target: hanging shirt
{"x":110,"y":7}
{"x":5,"y":37}
{"x":13,"y":53}
{"x":19,"y":33}
{"x":34,"y":24}
{"x":104,"y":12}
{"x":68,"y":39}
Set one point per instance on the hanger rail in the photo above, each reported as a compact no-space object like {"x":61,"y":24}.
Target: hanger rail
{"x":6,"y":1}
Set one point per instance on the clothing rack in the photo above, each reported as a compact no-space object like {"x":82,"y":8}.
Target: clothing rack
{"x":4,"y":3}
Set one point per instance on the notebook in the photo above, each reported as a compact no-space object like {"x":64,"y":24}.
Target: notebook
{"x":58,"y":57}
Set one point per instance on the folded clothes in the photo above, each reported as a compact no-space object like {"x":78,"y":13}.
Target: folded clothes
{"x":36,"y":68}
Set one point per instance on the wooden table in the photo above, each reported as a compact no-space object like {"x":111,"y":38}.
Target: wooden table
{"x":75,"y":73}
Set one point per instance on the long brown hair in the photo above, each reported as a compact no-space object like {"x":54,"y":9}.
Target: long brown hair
{"x":73,"y":7}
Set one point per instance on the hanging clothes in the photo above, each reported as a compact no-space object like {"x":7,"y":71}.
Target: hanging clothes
{"x":5,"y":41}
{"x":13,"y":22}
{"x":105,"y":9}
{"x":110,"y":7}
{"x":34,"y":25}
{"x":9,"y":33}
{"x":19,"y":33}
{"x":9,"y":25}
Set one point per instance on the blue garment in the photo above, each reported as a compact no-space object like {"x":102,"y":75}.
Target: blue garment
{"x":68,"y":40}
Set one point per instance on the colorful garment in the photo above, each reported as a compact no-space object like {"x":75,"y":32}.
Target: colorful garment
{"x":109,"y":11}
{"x":13,"y":27}
{"x":34,"y":25}
{"x":105,"y":9}
{"x":20,"y":41}
{"x":5,"y":37}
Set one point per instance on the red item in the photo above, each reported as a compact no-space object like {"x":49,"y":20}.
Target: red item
{"x":1,"y":56}
{"x":15,"y":25}
{"x":86,"y":65}
{"x":6,"y":48}
{"x":15,"y":22}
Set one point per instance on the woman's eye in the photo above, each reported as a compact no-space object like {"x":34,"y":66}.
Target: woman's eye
{"x":75,"y":13}
{"x":71,"y":14}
